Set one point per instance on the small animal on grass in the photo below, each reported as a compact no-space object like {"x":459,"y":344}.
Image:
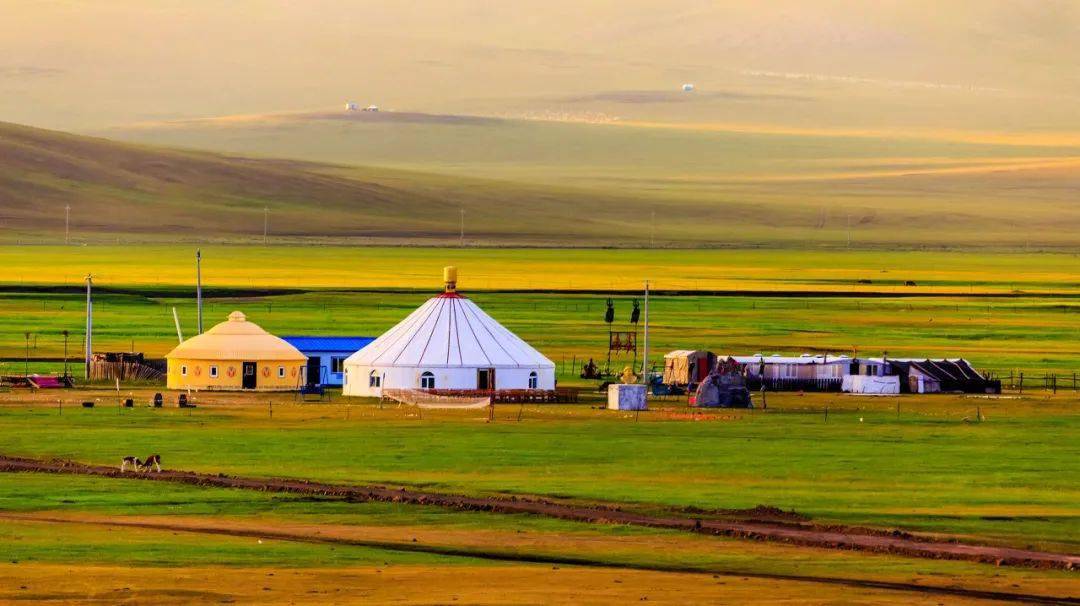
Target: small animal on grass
{"x":133,"y":461}
{"x":153,"y":460}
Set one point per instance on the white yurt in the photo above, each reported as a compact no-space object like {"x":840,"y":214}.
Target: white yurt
{"x":447,"y":343}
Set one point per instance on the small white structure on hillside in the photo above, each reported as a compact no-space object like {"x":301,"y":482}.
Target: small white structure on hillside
{"x":351,"y":106}
{"x":448,"y":343}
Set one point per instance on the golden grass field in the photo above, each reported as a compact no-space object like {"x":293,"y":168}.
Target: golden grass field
{"x":749,"y":270}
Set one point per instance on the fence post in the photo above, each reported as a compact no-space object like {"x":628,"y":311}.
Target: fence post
{"x":1054,"y":381}
{"x":1021,"y":382}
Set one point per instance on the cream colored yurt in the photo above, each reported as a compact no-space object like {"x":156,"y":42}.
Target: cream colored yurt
{"x":236,"y":355}
{"x":448,"y":343}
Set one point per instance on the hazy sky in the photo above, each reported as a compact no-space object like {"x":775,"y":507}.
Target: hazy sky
{"x":985,"y":65}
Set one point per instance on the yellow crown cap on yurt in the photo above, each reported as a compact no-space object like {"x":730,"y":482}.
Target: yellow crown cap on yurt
{"x":450,"y":278}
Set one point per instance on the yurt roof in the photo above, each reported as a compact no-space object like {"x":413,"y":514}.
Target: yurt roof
{"x":236,"y":339}
{"x":449,"y":331}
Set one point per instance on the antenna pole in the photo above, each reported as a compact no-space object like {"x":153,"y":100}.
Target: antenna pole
{"x":89,"y":323}
{"x":198,"y":292}
{"x":645,"y":359}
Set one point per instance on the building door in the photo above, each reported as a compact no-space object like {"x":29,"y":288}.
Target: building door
{"x":485,"y":378}
{"x":249,"y":375}
{"x":314,"y":371}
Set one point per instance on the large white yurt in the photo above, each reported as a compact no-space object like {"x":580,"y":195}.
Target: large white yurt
{"x":447,"y":343}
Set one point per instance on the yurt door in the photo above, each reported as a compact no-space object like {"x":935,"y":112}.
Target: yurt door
{"x":485,"y":378}
{"x":249,"y":375}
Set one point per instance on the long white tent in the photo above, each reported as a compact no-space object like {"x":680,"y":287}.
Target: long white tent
{"x":447,"y":343}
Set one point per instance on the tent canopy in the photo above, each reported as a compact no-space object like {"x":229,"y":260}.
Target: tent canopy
{"x":449,"y":331}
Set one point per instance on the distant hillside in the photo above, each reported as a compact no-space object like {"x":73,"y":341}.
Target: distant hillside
{"x":406,"y":179}
{"x":143,"y":192}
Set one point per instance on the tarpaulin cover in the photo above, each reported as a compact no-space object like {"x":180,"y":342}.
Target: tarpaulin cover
{"x":871,"y":385}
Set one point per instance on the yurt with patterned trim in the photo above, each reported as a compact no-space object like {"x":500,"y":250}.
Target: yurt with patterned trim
{"x":448,"y":343}
{"x":236,"y":355}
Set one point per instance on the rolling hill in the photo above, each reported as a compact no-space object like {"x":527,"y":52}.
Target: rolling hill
{"x":146,"y":193}
{"x":406,"y":178}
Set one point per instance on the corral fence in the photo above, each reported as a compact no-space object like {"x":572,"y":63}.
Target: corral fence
{"x":1018,"y":380}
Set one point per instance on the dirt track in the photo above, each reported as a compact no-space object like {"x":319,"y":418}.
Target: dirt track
{"x":792,"y":532}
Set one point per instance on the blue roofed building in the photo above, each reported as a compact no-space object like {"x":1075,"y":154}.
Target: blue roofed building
{"x":326,"y":356}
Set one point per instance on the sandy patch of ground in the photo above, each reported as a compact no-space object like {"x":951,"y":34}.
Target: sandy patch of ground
{"x":517,"y":584}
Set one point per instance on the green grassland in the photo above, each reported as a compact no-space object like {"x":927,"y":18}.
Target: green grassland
{"x":1002,"y":311}
{"x":1011,"y":478}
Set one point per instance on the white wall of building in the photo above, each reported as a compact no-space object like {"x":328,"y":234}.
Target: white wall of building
{"x":358,"y":378}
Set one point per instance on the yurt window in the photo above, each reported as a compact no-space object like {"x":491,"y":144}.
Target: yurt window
{"x":427,"y":381}
{"x":281,"y":372}
{"x":374,"y":380}
{"x":183,"y":371}
{"x":213,"y":372}
{"x":534,"y":380}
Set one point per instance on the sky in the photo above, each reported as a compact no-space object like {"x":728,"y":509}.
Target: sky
{"x":987,"y":66}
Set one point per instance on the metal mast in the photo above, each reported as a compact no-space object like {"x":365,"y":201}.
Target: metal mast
{"x":198,"y":288}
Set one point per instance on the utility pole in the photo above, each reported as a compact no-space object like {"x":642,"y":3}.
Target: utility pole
{"x":266,"y":226}
{"x":67,"y":224}
{"x":462,"y":244}
{"x":89,"y":323}
{"x":66,"y":373}
{"x":645,"y":359}
{"x":198,"y":288}
{"x":26,"y":361}
{"x":849,"y":229}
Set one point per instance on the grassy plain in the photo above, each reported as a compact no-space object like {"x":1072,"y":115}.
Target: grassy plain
{"x":1002,"y":311}
{"x":1009,"y":480}
{"x":927,"y":469}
